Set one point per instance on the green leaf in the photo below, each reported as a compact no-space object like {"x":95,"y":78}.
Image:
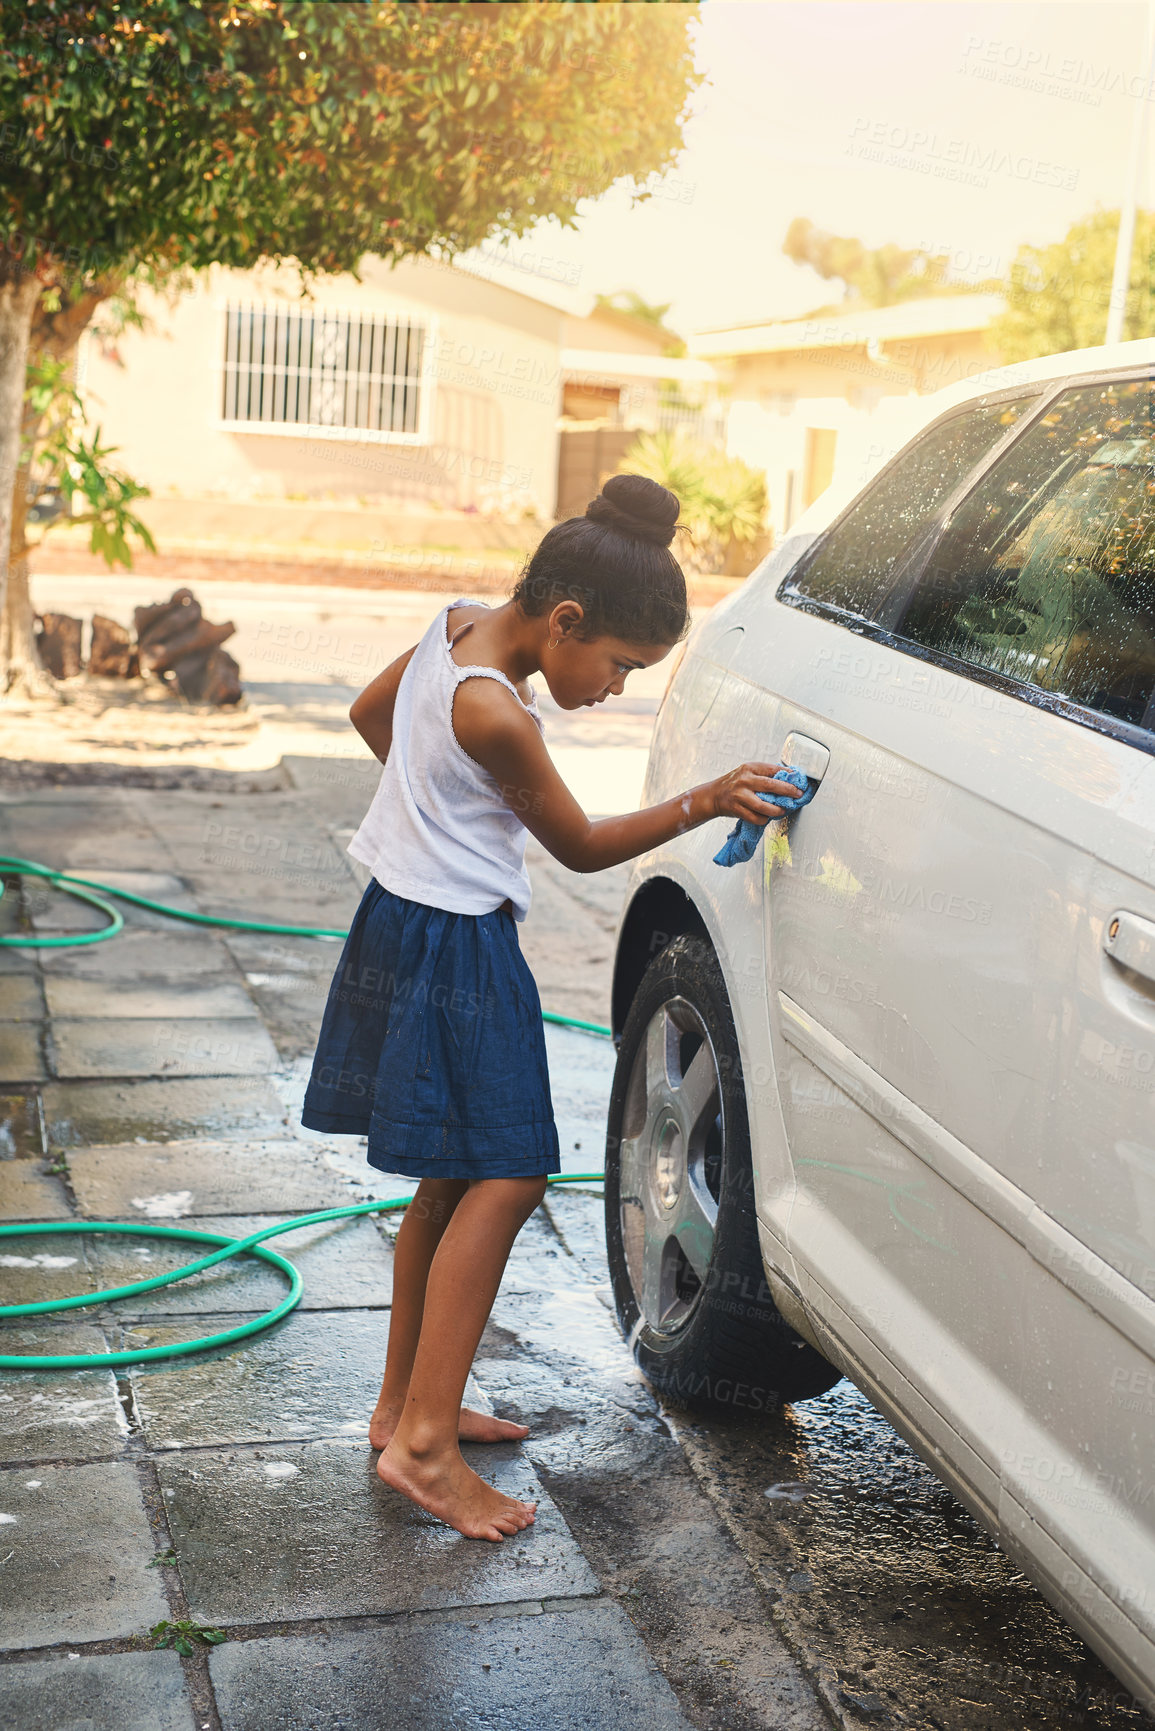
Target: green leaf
{"x":608,"y":86}
{"x":184,"y":1634}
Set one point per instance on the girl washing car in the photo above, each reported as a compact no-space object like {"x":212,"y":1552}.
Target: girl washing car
{"x":432,"y":1044}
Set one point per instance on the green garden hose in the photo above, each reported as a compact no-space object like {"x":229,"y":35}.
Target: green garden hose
{"x":92,"y":892}
{"x":89,"y":890}
{"x":228,"y":1247}
{"x":83,"y":889}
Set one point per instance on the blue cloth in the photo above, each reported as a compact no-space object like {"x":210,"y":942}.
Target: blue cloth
{"x":739,"y":845}
{"x":432,"y":1046}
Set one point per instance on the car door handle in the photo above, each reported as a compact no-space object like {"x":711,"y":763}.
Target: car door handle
{"x":1130,"y":941}
{"x":805,"y":754}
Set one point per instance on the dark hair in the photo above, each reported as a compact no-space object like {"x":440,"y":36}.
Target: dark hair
{"x":616,"y":562}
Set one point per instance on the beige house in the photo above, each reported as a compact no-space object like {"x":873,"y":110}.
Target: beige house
{"x":428,"y":388}
{"x":805,"y":395}
{"x":491,"y":391}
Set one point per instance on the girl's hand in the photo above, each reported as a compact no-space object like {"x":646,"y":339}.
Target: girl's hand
{"x":736,"y":793}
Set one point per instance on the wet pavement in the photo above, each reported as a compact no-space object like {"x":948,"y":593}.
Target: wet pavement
{"x":801,"y":1572}
{"x":156,"y":1079}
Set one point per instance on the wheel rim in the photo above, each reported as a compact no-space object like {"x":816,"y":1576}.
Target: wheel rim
{"x":671,"y":1166}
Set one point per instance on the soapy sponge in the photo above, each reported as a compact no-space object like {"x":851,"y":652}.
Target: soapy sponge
{"x":742,"y":840}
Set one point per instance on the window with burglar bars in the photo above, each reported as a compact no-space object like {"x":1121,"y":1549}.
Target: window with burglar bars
{"x":287,"y":369}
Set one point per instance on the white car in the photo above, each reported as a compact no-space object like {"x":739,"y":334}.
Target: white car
{"x":884,"y":1104}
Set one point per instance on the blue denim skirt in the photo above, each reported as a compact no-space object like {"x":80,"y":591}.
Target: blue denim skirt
{"x":432,"y":1045}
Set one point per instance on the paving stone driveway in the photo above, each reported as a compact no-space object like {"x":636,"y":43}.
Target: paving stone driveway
{"x":153,"y":1078}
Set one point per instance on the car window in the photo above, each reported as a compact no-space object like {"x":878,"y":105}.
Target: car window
{"x":1046,"y":571}
{"x":854,"y":564}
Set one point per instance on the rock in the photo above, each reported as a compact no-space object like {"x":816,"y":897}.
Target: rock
{"x":174,"y":637}
{"x":166,"y":619}
{"x":112,"y":654}
{"x":158,"y":656}
{"x":58,"y":641}
{"x":864,"y":1702}
{"x":215,"y":678}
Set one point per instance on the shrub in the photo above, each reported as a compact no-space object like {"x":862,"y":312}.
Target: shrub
{"x":723,"y":498}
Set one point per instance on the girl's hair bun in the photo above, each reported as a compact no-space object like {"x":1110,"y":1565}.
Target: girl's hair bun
{"x":635,"y":506}
{"x":616,"y":563}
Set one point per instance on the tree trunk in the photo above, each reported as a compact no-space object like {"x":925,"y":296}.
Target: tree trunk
{"x":18,"y":659}
{"x":21,"y":669}
{"x":55,"y":333}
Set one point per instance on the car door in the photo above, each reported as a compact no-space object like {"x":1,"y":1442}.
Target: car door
{"x":881,"y":890}
{"x":1047,"y":574}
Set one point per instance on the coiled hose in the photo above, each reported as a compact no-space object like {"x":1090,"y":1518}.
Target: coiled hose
{"x":95,"y":894}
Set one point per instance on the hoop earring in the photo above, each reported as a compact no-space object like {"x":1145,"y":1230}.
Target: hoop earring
{"x":554,"y":644}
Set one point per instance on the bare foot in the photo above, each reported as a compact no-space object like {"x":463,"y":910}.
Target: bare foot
{"x":444,"y":1486}
{"x":480,"y":1427}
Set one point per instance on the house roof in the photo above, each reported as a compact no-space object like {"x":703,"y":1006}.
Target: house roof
{"x":935,"y":315}
{"x":656,"y":336}
{"x":608,"y":365}
{"x":528,"y":272}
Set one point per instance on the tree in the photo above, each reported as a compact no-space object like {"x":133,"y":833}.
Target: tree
{"x":1057,"y":296}
{"x":873,"y":276}
{"x":150,"y":135}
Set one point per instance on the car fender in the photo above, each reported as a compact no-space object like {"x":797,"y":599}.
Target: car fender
{"x":720,"y":901}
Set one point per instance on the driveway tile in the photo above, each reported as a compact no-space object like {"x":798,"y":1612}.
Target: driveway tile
{"x":313,"y":1375}
{"x":131,"y":1691}
{"x":59,"y":827}
{"x":27,"y":1193}
{"x":80,"y":1547}
{"x":21,"y":999}
{"x":21,"y":1125}
{"x":584,"y":1667}
{"x":21,"y":1059}
{"x":53,"y":911}
{"x":97,"y":1114}
{"x":43,"y":1265}
{"x":310,"y":1531}
{"x":13,"y":959}
{"x":58,"y":1414}
{"x":177,"y":953}
{"x":172,"y":1180}
{"x":169,"y":1046}
{"x":155,"y":1000}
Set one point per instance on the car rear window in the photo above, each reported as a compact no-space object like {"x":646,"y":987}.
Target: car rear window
{"x":855,"y":563}
{"x":1046,"y":571}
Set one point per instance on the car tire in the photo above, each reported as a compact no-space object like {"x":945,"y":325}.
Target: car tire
{"x":685,"y":1262}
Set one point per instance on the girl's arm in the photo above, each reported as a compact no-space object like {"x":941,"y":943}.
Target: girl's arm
{"x":494,"y":729}
{"x":372,"y":712}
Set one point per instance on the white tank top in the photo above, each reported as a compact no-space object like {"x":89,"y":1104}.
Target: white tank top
{"x":438,"y":830}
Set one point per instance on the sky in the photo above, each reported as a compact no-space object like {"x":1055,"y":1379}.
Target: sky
{"x":969,"y":128}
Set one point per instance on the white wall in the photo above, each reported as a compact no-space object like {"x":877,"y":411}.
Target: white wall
{"x":776,"y":442}
{"x":491,"y":440}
